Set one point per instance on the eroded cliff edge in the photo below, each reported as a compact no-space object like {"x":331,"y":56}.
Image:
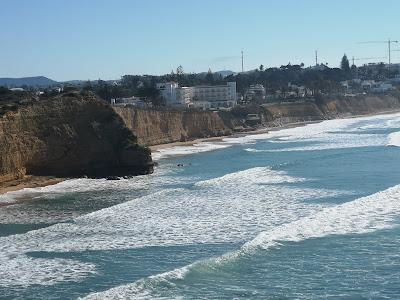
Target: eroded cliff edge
{"x":153,"y":126}
{"x":71,"y":134}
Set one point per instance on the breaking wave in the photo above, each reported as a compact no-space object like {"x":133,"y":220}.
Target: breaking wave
{"x":229,"y":209}
{"x":394,"y":139}
{"x":360,"y":216}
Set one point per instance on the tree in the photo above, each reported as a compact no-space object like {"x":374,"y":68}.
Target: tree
{"x":344,"y":65}
{"x":179,"y":70}
{"x":210,"y":77}
{"x":261,"y":67}
{"x":87,"y":86}
{"x":4,"y":90}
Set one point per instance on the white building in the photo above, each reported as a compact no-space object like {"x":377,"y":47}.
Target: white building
{"x":382,"y":87}
{"x":203,"y":96}
{"x":168,"y":92}
{"x":255,"y":92}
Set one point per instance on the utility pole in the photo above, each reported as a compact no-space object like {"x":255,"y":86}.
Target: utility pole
{"x":363,"y":58}
{"x":242,"y":63}
{"x":389,"y":44}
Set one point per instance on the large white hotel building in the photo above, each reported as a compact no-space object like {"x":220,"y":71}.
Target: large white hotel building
{"x":201,"y":96}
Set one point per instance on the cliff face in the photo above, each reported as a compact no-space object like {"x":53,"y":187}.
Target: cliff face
{"x":279,"y":114}
{"x":164,"y":126}
{"x":154,"y":127}
{"x":360,"y":105}
{"x":69,"y":135}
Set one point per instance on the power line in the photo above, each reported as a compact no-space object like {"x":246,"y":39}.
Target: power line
{"x":366,"y":58}
{"x":389,"y":43}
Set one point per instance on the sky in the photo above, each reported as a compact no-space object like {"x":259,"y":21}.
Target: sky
{"x":92,"y":39}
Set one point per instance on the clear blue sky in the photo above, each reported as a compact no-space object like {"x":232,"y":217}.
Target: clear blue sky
{"x":91,"y":39}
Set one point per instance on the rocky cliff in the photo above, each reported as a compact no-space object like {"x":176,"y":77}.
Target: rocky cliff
{"x":165,"y":126}
{"x":67,"y":135}
{"x":154,"y":127}
{"x":280,"y":114}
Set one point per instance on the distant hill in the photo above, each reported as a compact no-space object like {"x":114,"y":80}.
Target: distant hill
{"x":225,"y":73}
{"x":37,"y":81}
{"x":76,"y":82}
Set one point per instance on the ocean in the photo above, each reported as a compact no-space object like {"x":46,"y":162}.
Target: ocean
{"x":311,"y":212}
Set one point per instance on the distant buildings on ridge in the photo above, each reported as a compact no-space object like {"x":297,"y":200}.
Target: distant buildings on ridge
{"x":201,"y":96}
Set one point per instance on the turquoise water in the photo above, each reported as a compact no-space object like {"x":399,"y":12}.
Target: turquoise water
{"x":303,"y":213}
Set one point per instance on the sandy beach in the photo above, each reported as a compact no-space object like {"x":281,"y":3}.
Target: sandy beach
{"x":234,"y":135}
{"x":28,"y":182}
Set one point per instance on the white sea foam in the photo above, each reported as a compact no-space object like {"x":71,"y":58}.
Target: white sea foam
{"x":394,"y":139}
{"x":88,"y":185}
{"x":186,"y":150}
{"x":21,"y":270}
{"x":386,"y":121}
{"x":73,"y":186}
{"x":257,"y":175}
{"x":360,"y":216}
{"x":210,"y":213}
{"x":332,"y":141}
{"x":22,"y":212}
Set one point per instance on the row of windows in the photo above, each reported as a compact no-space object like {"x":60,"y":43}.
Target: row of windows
{"x":210,"y":91}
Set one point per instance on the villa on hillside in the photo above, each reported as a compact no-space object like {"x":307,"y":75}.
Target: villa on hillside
{"x":202,"y":96}
{"x":369,"y":86}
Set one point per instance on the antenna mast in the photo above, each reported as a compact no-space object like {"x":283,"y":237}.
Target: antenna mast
{"x":242,"y":63}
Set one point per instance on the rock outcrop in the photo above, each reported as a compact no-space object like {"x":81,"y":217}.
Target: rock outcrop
{"x":67,"y":135}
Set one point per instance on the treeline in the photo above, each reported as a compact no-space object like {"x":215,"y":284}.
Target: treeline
{"x":144,"y":86}
{"x":319,"y":80}
{"x":326,"y":80}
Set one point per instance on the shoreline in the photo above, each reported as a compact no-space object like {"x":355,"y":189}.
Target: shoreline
{"x":263,"y":130}
{"x":233,"y":135}
{"x":30,"y":181}
{"x":27,"y":181}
